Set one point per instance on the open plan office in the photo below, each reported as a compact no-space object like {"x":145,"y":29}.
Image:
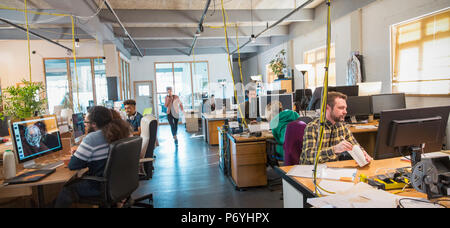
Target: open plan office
{"x":248,"y":104}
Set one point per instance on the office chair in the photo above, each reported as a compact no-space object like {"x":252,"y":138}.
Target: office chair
{"x":120,"y":178}
{"x":272,"y":161}
{"x":149,"y":128}
{"x":293,"y":142}
{"x":305,"y":119}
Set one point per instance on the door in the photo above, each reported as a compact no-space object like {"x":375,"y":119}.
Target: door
{"x":143,"y":93}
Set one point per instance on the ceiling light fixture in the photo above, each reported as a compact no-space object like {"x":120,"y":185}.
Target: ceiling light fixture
{"x":77,"y":42}
{"x":253,"y":37}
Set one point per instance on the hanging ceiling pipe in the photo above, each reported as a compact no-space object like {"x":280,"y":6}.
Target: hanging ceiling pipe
{"x":276,"y":23}
{"x":200,"y":26}
{"x":35,"y":34}
{"x":123,"y":27}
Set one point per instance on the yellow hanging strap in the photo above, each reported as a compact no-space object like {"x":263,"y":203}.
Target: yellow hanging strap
{"x":75,"y":62}
{"x":324,"y":101}
{"x":225,"y":21}
{"x":28,"y":40}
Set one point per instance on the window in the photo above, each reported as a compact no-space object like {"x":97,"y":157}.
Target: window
{"x":317,"y":58}
{"x":421,"y":57}
{"x":125,"y":79}
{"x":72,"y":91}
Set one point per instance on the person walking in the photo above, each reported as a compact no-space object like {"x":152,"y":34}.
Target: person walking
{"x":173,"y":105}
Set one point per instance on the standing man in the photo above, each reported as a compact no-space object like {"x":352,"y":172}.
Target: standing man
{"x":173,"y":105}
{"x":337,"y":137}
{"x":133,"y":117}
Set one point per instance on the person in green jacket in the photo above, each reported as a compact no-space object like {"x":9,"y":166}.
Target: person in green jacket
{"x":278,"y":125}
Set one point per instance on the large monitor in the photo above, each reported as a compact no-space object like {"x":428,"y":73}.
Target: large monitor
{"x":302,"y":98}
{"x":35,"y":137}
{"x":223,"y":103}
{"x":350,"y":91}
{"x":398,"y":130}
{"x":78,"y":126}
{"x":384,"y":102}
{"x":359,"y":106}
{"x":286,"y":101}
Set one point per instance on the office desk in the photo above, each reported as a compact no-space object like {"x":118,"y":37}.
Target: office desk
{"x":296,"y":190}
{"x":367,"y":138}
{"x":61,"y":175}
{"x":248,"y":160}
{"x":210,"y":123}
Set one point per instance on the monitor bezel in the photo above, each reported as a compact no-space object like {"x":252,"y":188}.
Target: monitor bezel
{"x":14,"y":142}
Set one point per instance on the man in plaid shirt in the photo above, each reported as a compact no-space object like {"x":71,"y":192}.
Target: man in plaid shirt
{"x":337,"y":137}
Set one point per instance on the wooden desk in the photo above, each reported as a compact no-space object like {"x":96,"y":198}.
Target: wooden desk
{"x":296,"y":189}
{"x":248,"y":160}
{"x":210,"y":123}
{"x":367,"y":138}
{"x":61,"y":175}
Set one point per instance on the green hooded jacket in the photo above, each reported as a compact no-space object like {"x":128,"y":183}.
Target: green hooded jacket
{"x":278,"y":126}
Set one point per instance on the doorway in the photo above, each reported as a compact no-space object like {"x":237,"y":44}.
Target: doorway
{"x":143,"y":93}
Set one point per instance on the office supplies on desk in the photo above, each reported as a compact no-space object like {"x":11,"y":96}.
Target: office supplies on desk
{"x":323,"y":172}
{"x":9,"y":164}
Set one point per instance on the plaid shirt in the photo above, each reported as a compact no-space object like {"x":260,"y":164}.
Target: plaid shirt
{"x":333,"y":135}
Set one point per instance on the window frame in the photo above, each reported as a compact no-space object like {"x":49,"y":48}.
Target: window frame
{"x":396,"y":48}
{"x":315,"y":63}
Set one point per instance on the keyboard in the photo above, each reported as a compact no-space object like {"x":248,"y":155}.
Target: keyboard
{"x":52,"y":165}
{"x":29,"y":177}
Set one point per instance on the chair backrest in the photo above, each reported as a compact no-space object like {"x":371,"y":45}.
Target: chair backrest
{"x":149,"y":127}
{"x":293,"y":142}
{"x":305,"y":119}
{"x":122,"y":168}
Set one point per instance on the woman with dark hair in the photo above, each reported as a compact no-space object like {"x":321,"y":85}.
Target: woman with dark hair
{"x":103,"y":129}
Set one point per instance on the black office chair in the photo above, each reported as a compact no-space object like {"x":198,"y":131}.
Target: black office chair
{"x":305,"y":119}
{"x":272,"y":161}
{"x":121,"y":176}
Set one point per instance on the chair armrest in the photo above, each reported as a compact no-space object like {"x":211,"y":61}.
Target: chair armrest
{"x":271,"y":141}
{"x":93,"y":178}
{"x":145,"y":160}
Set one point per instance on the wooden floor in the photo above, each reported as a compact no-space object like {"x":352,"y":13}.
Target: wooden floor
{"x":188,"y":176}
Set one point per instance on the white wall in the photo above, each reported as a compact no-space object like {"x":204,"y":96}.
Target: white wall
{"x":14,"y":58}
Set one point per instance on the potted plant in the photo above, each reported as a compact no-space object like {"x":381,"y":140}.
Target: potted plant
{"x":278,"y":64}
{"x":23,"y":101}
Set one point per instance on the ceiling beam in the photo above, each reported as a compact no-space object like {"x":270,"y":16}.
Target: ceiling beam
{"x":201,"y":43}
{"x":137,"y":18}
{"x":197,"y":51}
{"x":139,"y":33}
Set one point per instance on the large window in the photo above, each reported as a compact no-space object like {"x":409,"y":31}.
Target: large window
{"x":76,"y":91}
{"x":317,"y":58}
{"x":421,"y":55}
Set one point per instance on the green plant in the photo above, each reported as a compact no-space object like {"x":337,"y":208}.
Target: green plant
{"x":23,"y":101}
{"x":278,"y":64}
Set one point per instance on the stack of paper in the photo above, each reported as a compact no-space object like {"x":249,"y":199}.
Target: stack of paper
{"x":322,"y":172}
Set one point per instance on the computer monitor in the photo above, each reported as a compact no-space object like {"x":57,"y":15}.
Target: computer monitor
{"x":78,"y":126}
{"x":359,"y":106}
{"x":4,"y":127}
{"x":286,"y":101}
{"x":384,"y":102}
{"x":35,"y":137}
{"x":223,"y":103}
{"x":400,"y":129}
{"x":271,"y":92}
{"x":369,"y":88}
{"x":302,"y":98}
{"x":350,"y":91}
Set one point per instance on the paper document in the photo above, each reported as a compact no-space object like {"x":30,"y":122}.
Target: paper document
{"x":361,"y":127}
{"x":322,"y":172}
{"x":258,"y":127}
{"x":335,"y":186}
{"x":358,"y":155}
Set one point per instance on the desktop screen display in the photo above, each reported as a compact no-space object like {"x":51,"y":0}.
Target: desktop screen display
{"x":359,"y":106}
{"x":386,"y":102}
{"x":350,"y":91}
{"x":78,"y":125}
{"x":35,"y":137}
{"x":286,"y":100}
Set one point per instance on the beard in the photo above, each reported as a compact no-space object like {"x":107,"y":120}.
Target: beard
{"x":336,"y":118}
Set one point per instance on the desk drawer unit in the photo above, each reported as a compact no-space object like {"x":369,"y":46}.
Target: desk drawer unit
{"x":248,"y":164}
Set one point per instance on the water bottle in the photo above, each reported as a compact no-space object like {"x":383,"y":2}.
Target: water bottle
{"x":9,"y":165}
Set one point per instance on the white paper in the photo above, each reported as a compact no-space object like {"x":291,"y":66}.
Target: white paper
{"x":335,"y":186}
{"x":358,"y":155}
{"x":322,"y":172}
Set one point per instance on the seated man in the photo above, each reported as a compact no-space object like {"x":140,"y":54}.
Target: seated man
{"x":337,"y":137}
{"x":133,"y":117}
{"x":93,"y":153}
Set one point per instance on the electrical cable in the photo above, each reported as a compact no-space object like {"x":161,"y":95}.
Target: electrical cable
{"x":225,"y":21}
{"x":324,"y":101}
{"x":28,"y":40}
